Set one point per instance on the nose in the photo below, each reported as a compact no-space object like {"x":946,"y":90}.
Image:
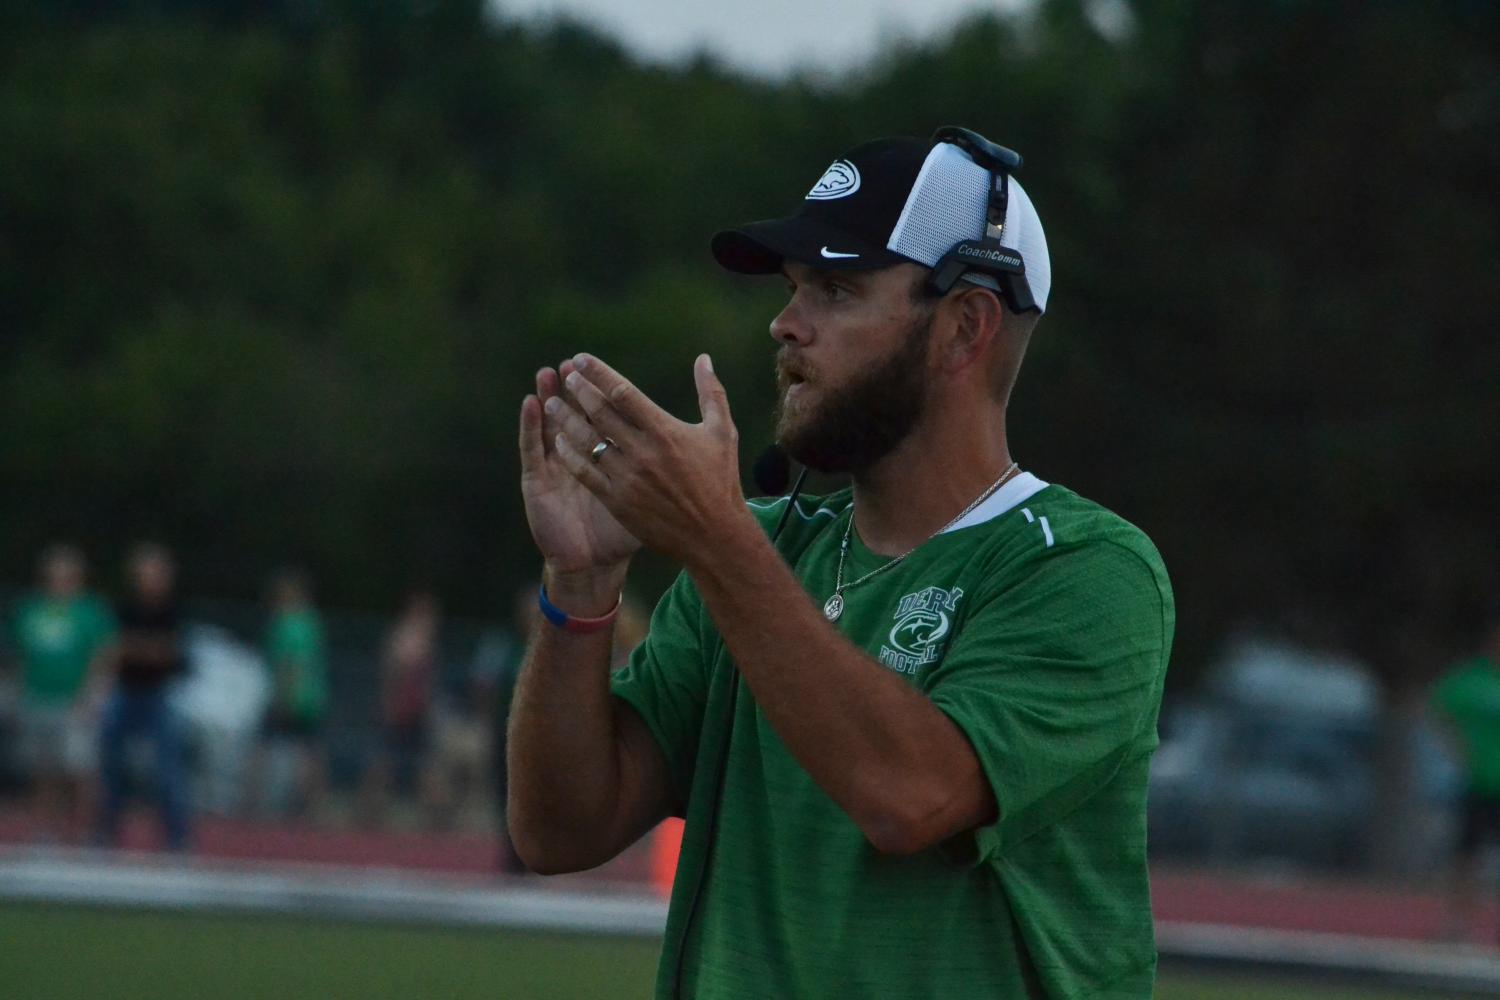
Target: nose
{"x":790,"y":326}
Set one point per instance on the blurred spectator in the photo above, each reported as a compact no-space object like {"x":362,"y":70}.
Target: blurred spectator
{"x":497,"y":665}
{"x":148,"y":656}
{"x":458,"y":763}
{"x":1468,"y":700}
{"x":408,"y":672}
{"x":295,"y":651}
{"x":60,"y":634}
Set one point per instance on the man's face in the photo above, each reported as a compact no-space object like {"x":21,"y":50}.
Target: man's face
{"x":151,"y":574}
{"x":288,"y":594}
{"x":62,"y":576}
{"x":852,"y":370}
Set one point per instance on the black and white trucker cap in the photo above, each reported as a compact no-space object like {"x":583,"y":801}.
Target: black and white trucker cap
{"x":887,"y":202}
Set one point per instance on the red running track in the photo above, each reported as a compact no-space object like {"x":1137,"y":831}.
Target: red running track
{"x":1300,"y":903}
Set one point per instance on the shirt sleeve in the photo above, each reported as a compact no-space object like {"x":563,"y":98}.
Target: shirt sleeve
{"x":1056,"y":680}
{"x":666,"y":679}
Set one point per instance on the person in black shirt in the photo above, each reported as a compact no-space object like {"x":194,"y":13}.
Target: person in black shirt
{"x":148,"y":656}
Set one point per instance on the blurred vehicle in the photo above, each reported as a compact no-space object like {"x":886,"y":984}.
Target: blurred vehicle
{"x":1276,"y":760}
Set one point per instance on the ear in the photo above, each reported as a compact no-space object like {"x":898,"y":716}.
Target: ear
{"x":976,"y":315}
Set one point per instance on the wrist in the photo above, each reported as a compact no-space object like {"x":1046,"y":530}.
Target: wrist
{"x":735,"y":536}
{"x":576,"y":624}
{"x":586,"y":593}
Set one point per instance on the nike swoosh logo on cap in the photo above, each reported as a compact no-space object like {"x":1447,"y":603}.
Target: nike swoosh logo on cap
{"x":831,"y":254}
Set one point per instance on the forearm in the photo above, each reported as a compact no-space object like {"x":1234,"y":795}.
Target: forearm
{"x":900,"y":768}
{"x":563,"y":761}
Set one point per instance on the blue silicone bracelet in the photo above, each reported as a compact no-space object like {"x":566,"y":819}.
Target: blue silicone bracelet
{"x":557,"y":616}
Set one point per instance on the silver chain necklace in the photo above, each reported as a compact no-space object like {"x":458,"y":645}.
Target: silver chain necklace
{"x":834,"y":606}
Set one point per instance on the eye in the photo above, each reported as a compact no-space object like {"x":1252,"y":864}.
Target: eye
{"x":835,"y":292}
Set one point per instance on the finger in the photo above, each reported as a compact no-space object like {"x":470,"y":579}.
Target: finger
{"x":713,"y":401}
{"x":609,"y":421}
{"x":546,"y":383}
{"x":619,"y":392}
{"x":555,"y":417}
{"x":565,"y":380}
{"x":586,"y":472}
{"x":533,"y":450}
{"x":546,"y":388}
{"x":565,"y":420}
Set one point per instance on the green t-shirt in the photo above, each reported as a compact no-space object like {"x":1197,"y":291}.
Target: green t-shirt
{"x":56,"y":640}
{"x":1041,"y":624}
{"x":294,"y":648}
{"x":1470,"y":697}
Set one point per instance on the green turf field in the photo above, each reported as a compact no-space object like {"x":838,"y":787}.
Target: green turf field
{"x":49,"y":952}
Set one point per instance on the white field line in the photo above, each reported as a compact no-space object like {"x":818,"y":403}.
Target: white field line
{"x":330,"y":891}
{"x":1419,"y":965}
{"x":322,"y":891}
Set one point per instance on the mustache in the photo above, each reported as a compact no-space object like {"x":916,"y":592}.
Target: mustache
{"x":791,"y":369}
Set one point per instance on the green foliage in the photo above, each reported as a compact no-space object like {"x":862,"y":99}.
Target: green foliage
{"x":273,"y":278}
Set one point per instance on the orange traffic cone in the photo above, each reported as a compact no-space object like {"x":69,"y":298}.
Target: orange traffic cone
{"x":666,"y":845}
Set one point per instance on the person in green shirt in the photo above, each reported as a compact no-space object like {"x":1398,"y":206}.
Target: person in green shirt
{"x":1467,"y":699}
{"x":295,"y":650}
{"x":908,"y":723}
{"x":61,"y":634}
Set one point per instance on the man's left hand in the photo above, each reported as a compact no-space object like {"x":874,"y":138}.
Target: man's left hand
{"x":674,"y":485}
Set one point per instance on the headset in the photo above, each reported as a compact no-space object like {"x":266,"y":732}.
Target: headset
{"x":985,"y":255}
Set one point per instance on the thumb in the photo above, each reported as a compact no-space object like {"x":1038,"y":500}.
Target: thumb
{"x":713,"y":401}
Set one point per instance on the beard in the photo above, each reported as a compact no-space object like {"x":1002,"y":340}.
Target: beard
{"x":861,"y":422}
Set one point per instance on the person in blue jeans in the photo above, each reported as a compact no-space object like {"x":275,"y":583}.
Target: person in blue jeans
{"x":148,"y":657}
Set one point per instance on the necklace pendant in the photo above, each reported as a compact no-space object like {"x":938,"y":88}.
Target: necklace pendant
{"x":833,"y":607}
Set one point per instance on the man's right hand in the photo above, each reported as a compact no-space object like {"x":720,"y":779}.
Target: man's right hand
{"x":585,"y":548}
{"x":587,"y":778}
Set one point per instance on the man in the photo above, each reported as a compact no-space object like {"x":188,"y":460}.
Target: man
{"x":148,"y":657}
{"x":1467,"y":699}
{"x":932,"y":779}
{"x":409,"y":668}
{"x":59,"y":633}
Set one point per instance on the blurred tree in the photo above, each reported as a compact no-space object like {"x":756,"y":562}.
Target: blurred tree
{"x":1303,"y":252}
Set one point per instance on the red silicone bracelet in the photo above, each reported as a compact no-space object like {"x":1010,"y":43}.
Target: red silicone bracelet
{"x":571,"y":623}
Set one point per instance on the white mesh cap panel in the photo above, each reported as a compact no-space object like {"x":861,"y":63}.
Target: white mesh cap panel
{"x":1023,"y":231}
{"x":947,"y":203}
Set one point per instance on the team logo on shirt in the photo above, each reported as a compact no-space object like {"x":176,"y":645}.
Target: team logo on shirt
{"x":923,"y":623}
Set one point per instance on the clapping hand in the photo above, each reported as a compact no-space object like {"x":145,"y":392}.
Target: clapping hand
{"x":674,"y":485}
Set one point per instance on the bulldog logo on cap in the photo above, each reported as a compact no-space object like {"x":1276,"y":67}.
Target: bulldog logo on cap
{"x":838,"y":181}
